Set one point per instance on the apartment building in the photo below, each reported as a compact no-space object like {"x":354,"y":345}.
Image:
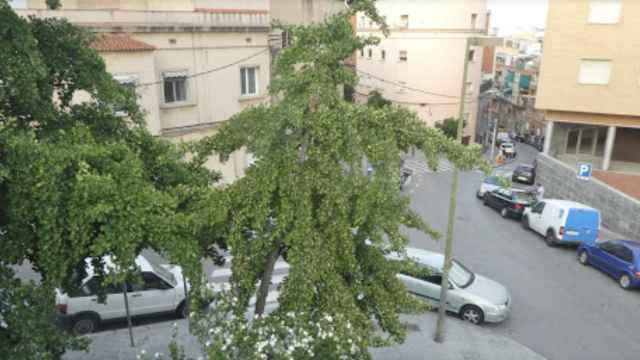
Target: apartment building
{"x":590,"y":84}
{"x":425,"y":51}
{"x":193,"y":63}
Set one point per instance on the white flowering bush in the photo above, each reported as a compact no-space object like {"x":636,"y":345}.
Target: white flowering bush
{"x":226,"y":335}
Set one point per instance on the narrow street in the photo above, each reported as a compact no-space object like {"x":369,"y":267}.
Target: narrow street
{"x":561,"y":309}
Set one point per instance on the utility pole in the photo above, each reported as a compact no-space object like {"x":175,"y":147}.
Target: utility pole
{"x":444,"y":286}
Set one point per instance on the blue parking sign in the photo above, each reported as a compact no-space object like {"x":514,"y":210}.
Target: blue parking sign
{"x":584,"y":171}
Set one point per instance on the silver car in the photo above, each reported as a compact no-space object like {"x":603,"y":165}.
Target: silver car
{"x":473,"y":297}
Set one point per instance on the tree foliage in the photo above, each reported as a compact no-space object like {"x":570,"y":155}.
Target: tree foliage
{"x":77,"y":181}
{"x":308,"y":198}
{"x":376,"y":100}
{"x":449,"y":127}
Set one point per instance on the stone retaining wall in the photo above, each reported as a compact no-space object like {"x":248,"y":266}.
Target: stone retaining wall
{"x":620,"y":212}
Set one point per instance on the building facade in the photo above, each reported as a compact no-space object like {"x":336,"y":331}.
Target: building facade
{"x":420,"y":64}
{"x":590,"y":84}
{"x":193,"y":63}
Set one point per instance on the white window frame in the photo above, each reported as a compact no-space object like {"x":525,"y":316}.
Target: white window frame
{"x":125,"y":79}
{"x":175,"y":74}
{"x":244,"y":79}
{"x":584,"y":72}
{"x":604,"y":11}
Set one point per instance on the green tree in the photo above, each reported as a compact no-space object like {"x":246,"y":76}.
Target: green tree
{"x":449,"y":127}
{"x":308,"y":198}
{"x":376,"y":100}
{"x":77,"y":181}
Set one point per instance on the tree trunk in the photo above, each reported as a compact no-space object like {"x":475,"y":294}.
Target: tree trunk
{"x":265,"y":281}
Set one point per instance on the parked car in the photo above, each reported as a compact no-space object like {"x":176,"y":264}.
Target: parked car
{"x":520,"y":138}
{"x":488,"y":184}
{"x":161,"y":291}
{"x":473,"y":297}
{"x":508,"y":149}
{"x":524,"y":174}
{"x":510,"y":202}
{"x":618,"y":258}
{"x":563,"y":221}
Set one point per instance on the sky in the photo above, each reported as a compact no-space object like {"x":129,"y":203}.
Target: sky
{"x":511,"y":16}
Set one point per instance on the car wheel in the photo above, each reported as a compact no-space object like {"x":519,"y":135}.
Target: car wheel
{"x":504,"y":212}
{"x":472,"y":314}
{"x":625,"y":281}
{"x":583,"y":257}
{"x":181,"y":311}
{"x":525,"y":223}
{"x":550,"y":239}
{"x":85,"y":324}
{"x":485,"y":200}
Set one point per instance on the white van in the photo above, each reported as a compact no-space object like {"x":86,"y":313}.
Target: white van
{"x":161,"y":291}
{"x":563,"y":221}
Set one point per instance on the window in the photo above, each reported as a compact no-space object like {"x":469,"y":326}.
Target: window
{"x":607,"y":247}
{"x":175,"y":86}
{"x":370,"y":53}
{"x":471,"y":55}
{"x":152,"y":282}
{"x":94,"y":285}
{"x":403,"y":55}
{"x":286,"y":39}
{"x":624,"y":254}
{"x":361,"y":52}
{"x":129,"y":83}
{"x":383,"y":55}
{"x":249,"y":81}
{"x":404,"y":21}
{"x":474,"y":20}
{"x":604,"y":11}
{"x":538,"y":208}
{"x":594,"y":72}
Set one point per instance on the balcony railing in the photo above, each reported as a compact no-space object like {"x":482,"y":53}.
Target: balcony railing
{"x":199,"y":20}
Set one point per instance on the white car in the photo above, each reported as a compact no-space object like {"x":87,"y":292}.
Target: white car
{"x":508,"y":149}
{"x":563,"y":222}
{"x":473,"y":297}
{"x":161,"y":291}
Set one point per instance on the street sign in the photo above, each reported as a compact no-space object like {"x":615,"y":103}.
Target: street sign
{"x":584,"y":171}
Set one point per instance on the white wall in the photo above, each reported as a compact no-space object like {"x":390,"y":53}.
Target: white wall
{"x":435,"y":43}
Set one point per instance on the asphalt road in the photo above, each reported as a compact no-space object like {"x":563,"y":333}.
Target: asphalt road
{"x":561,"y":309}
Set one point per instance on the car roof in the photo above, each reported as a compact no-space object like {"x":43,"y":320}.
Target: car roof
{"x":631,"y":244}
{"x":568,"y":204}
{"x":140,"y":261}
{"x":425,"y":257}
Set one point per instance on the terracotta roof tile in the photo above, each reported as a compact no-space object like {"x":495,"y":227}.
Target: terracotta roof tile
{"x":119,"y":43}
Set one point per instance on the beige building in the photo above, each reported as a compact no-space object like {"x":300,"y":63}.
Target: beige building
{"x":304,"y":11}
{"x":421,"y":62}
{"x":590,"y":84}
{"x":194,"y":63}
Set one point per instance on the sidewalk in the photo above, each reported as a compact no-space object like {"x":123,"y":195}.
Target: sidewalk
{"x":462,"y":342}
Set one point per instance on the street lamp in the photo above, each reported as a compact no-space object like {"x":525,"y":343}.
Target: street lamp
{"x":480,"y":41}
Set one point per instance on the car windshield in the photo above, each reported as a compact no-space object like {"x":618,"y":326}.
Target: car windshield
{"x":507,"y":146}
{"x":460,"y":275}
{"x":164,"y":273}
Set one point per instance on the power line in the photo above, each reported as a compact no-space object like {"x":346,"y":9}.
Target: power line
{"x":398,"y":84}
{"x":421,"y":103}
{"x":206,"y":72}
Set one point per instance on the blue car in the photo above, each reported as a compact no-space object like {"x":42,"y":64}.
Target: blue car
{"x":618,"y":258}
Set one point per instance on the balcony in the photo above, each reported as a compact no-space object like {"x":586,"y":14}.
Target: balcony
{"x":200,"y":20}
